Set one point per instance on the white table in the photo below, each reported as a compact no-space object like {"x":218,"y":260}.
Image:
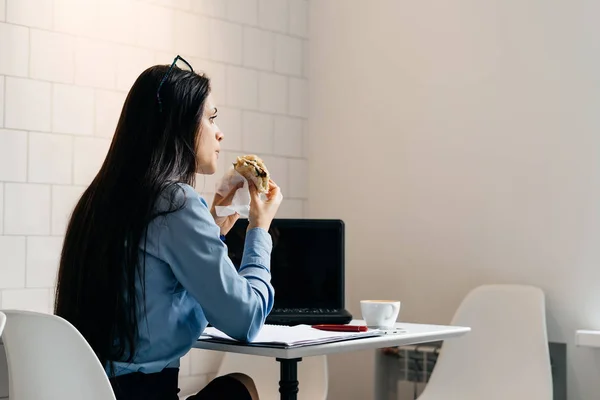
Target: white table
{"x":289,"y":357}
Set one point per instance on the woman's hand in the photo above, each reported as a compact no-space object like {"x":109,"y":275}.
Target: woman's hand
{"x":262,"y":212}
{"x":225,"y":223}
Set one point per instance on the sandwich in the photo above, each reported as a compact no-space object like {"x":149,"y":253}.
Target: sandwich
{"x":253,"y":169}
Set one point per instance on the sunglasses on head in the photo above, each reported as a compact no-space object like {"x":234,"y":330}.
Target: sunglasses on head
{"x":167,"y":75}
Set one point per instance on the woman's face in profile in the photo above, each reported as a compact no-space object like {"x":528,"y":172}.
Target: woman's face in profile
{"x":210,"y":136}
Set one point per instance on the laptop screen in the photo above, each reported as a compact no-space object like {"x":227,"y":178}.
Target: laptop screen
{"x":307,"y":262}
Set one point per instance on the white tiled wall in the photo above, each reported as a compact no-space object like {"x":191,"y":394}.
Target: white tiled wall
{"x":27,"y":104}
{"x":257,"y":132}
{"x":95,"y":63}
{"x":274,"y":15}
{"x":288,"y":137}
{"x":14,"y":40}
{"x":259,"y":50}
{"x":107,"y":108}
{"x":298,"y":18}
{"x":243,"y":11}
{"x":272,"y":93}
{"x":50,"y":149}
{"x":26,"y":209}
{"x":63,"y":201}
{"x":225,"y":41}
{"x":242,"y":87}
{"x":12,"y":269}
{"x":191,"y":34}
{"x":13,"y":155}
{"x":65,"y":69}
{"x":72,"y":109}
{"x":1,"y":208}
{"x":230,"y":122}
{"x":1,"y":98}
{"x":52,"y":56}
{"x":298,"y":100}
{"x":43,"y":254}
{"x":33,"y":13}
{"x":289,"y":55}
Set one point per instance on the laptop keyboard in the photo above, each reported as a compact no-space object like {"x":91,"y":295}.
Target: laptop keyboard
{"x":306,"y":310}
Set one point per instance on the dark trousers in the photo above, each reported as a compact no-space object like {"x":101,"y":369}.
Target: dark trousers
{"x":163,"y":386}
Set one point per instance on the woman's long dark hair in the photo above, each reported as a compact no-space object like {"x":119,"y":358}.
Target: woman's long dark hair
{"x":154,"y":146}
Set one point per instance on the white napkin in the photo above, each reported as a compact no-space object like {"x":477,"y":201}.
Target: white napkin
{"x":241,"y":199}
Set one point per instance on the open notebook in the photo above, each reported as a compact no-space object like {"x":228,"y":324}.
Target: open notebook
{"x":290,"y":336}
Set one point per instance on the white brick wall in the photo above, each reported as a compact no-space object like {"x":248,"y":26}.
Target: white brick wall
{"x":191,"y":34}
{"x":243,"y":11}
{"x":12,"y":267}
{"x":108,"y":105}
{"x":13,"y":155}
{"x":88,"y":157}
{"x":27,"y":104}
{"x":43,"y":255}
{"x":299,"y":18}
{"x":273,"y":15}
{"x":288,"y":138}
{"x":95,"y":63}
{"x":72,"y":109}
{"x":298,"y":100}
{"x":155,"y":27}
{"x":1,"y":98}
{"x":257,"y":132}
{"x":33,"y":13}
{"x":230,"y":122}
{"x":242,"y":88}
{"x":52,"y":56}
{"x":258,"y":48}
{"x":65,"y":69}
{"x":27,"y":209}
{"x":288,"y":55}
{"x":1,"y":208}
{"x":225,"y":41}
{"x":14,"y":40}
{"x":64,"y":199}
{"x":50,"y":158}
{"x":272,"y":93}
{"x":212,"y":8}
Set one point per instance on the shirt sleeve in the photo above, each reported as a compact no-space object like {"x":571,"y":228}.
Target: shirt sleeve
{"x":236,"y":303}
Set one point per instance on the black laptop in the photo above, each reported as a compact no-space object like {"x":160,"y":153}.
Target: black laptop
{"x":307,"y":269}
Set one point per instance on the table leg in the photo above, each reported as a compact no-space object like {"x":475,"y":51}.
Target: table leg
{"x":386,"y":377}
{"x":288,"y":384}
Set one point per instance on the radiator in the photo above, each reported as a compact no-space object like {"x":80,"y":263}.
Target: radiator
{"x":404,"y":371}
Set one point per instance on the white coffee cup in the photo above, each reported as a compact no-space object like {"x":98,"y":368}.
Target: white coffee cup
{"x":380,"y":314}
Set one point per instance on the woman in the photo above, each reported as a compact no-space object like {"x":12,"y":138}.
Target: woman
{"x":144,"y":268}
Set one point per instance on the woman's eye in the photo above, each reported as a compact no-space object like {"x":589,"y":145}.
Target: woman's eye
{"x":212,"y":119}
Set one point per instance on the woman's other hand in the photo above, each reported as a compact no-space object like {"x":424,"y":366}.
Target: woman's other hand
{"x":225,"y":223}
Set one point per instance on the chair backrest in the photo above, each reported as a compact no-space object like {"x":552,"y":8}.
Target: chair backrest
{"x":2,"y":322}
{"x":265,"y":371}
{"x":49,"y":359}
{"x":505,"y":356}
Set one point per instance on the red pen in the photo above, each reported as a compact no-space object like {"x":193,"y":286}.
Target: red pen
{"x":341,"y":328}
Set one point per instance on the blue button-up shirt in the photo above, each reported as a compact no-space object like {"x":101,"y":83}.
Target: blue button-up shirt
{"x":190,"y":281}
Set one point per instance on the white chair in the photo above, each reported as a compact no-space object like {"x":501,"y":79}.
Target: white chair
{"x":312,"y":375}
{"x":2,"y":322}
{"x":49,"y":359}
{"x":505,"y":356}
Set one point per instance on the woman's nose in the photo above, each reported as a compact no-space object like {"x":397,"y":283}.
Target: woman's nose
{"x":220,"y":136}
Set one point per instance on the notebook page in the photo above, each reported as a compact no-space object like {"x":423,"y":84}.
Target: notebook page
{"x":289,"y":336}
